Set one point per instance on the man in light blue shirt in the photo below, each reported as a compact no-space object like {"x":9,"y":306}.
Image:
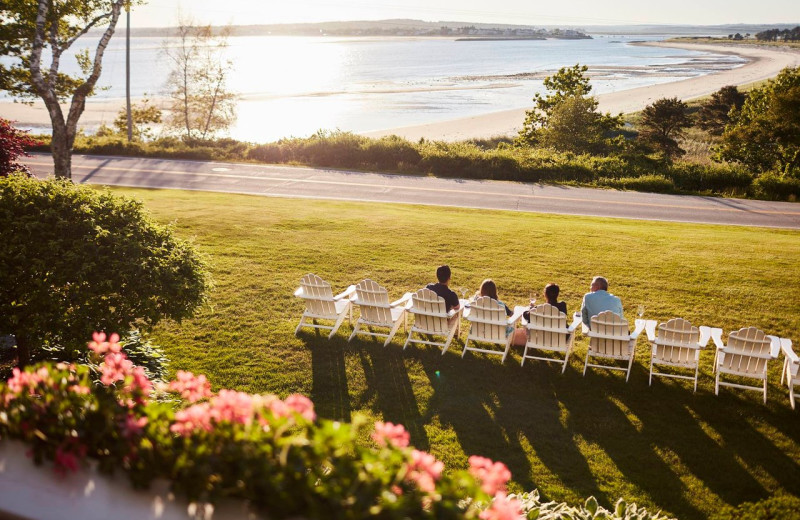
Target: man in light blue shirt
{"x":599,"y":300}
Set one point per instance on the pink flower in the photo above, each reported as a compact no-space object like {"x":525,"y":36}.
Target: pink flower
{"x":101,"y":346}
{"x":391,"y":434}
{"x":132,"y":426}
{"x":196,"y":417}
{"x":302,"y":405}
{"x":492,"y":475}
{"x":503,"y":508}
{"x":140,"y":381}
{"x":115,"y":367}
{"x":192,"y":388}
{"x":232,"y":406}
{"x":425,"y":470}
{"x":66,"y":461}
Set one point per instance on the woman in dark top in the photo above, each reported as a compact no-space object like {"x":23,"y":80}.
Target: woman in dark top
{"x":488,"y":288}
{"x":551,"y":291}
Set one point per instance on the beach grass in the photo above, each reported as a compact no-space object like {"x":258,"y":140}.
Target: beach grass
{"x":570,"y":436}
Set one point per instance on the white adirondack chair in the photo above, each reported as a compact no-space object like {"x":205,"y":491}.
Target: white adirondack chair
{"x":547,"y":330}
{"x":321,"y":304}
{"x":676,"y":343}
{"x":791,"y":369}
{"x":747,"y":354}
{"x":431,"y":318}
{"x":488,"y":324}
{"x":609,"y":338}
{"x":376,"y":311}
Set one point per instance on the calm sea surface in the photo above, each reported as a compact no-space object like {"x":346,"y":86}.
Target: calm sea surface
{"x":297,"y":85}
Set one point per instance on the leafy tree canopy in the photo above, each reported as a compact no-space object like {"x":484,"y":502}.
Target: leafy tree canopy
{"x":566,"y":107}
{"x":75,"y":260}
{"x":663,"y":123}
{"x":714,"y":113}
{"x":765,"y":134}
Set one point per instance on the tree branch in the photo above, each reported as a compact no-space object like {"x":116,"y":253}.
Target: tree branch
{"x":67,"y":44}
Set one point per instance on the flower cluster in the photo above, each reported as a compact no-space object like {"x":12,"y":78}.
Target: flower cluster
{"x":388,"y":434}
{"x":192,"y":388}
{"x":493,"y":476}
{"x":424,"y":470}
{"x":503,"y":508}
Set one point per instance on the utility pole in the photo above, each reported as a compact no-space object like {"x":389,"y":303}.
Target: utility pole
{"x":128,"y":74}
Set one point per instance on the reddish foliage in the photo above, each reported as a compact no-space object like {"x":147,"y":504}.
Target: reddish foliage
{"x":13,"y":143}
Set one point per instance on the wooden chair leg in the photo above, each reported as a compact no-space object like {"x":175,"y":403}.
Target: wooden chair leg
{"x":338,"y":324}
{"x":765,"y":390}
{"x":716,"y":385}
{"x":393,"y":332}
{"x":586,"y":363}
{"x":302,"y":321}
{"x":453,"y":332}
{"x":408,"y":339}
{"x":355,"y":330}
{"x":466,"y":347}
{"x":791,"y":394}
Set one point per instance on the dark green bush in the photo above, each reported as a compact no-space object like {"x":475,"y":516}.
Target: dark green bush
{"x":390,"y":153}
{"x":717,"y":178}
{"x":775,"y":187}
{"x":75,"y":260}
{"x":651,"y":183}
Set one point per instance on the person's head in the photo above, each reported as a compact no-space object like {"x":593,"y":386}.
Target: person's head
{"x":443,"y":274}
{"x":551,"y":291}
{"x":488,"y":288}
{"x":599,"y":284}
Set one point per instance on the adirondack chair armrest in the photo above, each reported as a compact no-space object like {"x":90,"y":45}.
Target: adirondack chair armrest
{"x":299,"y":292}
{"x":716,"y":336}
{"x":650,"y":329}
{"x":346,"y":294}
{"x":775,"y":346}
{"x":705,"y":336}
{"x":640,"y":325}
{"x":402,"y":301}
{"x":576,"y":321}
{"x":786,"y":348}
{"x":517,"y":315}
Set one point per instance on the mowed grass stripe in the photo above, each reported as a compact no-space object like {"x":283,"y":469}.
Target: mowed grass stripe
{"x":569,"y":436}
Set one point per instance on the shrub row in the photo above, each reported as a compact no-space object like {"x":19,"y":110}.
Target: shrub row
{"x":471,"y":160}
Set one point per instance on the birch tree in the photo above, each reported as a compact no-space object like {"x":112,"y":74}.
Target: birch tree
{"x":32,"y":31}
{"x":201,"y":104}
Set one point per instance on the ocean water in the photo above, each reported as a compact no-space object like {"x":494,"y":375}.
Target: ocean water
{"x":298,"y":85}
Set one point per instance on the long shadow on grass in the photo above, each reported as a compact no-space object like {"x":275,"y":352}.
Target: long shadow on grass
{"x":329,"y":377}
{"x":387,"y":378}
{"x":651,"y":432}
{"x":495,"y":410}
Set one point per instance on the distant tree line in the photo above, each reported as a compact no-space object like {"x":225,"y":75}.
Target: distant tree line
{"x":774,"y":35}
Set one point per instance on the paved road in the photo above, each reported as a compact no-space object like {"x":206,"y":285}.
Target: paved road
{"x":315,"y":183}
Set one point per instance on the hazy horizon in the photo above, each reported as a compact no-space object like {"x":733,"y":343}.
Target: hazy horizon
{"x":613,"y":12}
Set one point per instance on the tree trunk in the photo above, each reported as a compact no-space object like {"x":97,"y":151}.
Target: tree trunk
{"x":62,"y":153}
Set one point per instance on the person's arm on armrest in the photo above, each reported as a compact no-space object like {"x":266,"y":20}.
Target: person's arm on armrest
{"x":585,"y":318}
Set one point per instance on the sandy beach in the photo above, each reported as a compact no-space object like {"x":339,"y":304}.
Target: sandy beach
{"x":763,"y":63}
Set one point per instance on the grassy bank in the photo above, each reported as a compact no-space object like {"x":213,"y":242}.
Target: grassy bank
{"x":471,"y":160}
{"x":567,"y":435}
{"x":732,"y":43}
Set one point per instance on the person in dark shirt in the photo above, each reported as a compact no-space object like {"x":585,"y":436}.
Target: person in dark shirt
{"x":442,"y":290}
{"x":551,"y":291}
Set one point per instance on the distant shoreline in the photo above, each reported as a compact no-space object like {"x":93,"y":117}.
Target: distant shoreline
{"x":763,"y":63}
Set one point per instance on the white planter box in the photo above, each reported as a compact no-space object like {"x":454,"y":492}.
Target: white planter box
{"x":36,"y":492}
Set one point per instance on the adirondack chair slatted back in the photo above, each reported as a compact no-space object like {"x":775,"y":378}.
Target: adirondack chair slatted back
{"x":615,"y":339}
{"x":373,"y":301}
{"x":747,"y":352}
{"x":488,"y":319}
{"x":430,"y":312}
{"x":676,"y":343}
{"x":318,"y":296}
{"x":547,"y":328}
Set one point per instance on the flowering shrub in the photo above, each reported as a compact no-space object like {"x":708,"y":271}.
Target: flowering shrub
{"x":273,"y":452}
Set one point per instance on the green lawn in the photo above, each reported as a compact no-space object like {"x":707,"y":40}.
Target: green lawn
{"x":566,"y":435}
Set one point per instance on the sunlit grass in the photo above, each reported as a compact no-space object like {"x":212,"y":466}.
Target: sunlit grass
{"x":569,"y":436}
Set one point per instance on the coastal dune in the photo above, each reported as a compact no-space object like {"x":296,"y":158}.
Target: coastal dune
{"x":763,"y":63}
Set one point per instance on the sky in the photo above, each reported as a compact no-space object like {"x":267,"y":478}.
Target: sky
{"x":159,"y":13}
